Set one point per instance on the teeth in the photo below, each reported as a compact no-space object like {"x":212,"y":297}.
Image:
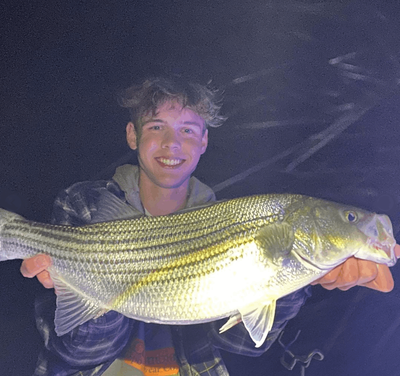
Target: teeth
{"x":170,"y":162}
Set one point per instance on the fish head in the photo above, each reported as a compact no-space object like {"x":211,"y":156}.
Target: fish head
{"x":328,"y":233}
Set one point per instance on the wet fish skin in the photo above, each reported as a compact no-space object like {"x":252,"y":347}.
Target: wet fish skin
{"x":233,"y":258}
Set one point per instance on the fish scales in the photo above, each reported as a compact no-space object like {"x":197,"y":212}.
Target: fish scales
{"x":177,"y":235}
{"x":110,"y":239}
{"x":195,"y":266}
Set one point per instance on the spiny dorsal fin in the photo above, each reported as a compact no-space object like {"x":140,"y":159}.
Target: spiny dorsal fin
{"x":111,"y":207}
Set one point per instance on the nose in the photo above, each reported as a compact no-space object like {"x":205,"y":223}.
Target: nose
{"x":171,"y":140}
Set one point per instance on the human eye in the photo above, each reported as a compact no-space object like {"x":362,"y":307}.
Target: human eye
{"x":153,"y":126}
{"x":190,"y":130}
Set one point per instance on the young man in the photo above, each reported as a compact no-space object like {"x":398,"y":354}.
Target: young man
{"x":169,"y":129}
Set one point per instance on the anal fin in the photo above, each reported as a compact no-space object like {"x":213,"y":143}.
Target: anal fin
{"x":233,"y":320}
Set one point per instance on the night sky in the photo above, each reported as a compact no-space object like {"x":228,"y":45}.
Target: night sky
{"x":312,"y":98}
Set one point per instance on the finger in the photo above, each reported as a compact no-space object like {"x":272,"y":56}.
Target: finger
{"x":34,"y":265}
{"x":397,"y":250}
{"x":329,"y":278}
{"x":329,"y":286}
{"x":367,"y":271}
{"x":349,"y":275}
{"x":383,"y":280}
{"x":45,"y":280}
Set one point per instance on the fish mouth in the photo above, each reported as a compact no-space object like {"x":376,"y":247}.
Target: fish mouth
{"x":170,"y":162}
{"x":379,"y":232}
{"x":388,"y":249}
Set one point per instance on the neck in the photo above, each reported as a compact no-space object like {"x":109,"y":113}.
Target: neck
{"x":162,"y":201}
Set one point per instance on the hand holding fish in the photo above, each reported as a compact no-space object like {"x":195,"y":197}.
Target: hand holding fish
{"x":356,"y":272}
{"x":36,"y":267}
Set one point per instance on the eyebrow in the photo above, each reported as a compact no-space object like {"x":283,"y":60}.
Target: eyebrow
{"x":192,"y":123}
{"x":155,"y":120}
{"x":152,"y":120}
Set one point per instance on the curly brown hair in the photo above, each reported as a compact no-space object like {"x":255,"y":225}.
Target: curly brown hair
{"x":145,"y":99}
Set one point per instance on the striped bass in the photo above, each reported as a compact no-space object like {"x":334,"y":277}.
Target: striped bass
{"x":231,"y":258}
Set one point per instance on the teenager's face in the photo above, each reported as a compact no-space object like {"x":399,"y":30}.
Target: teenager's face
{"x":170,"y":145}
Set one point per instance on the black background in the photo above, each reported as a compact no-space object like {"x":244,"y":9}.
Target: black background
{"x":311,"y":92}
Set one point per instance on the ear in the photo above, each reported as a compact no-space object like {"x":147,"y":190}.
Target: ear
{"x":204,"y":141}
{"x":131,"y":136}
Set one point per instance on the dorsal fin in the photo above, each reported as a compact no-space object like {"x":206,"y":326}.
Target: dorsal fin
{"x":112,"y":208}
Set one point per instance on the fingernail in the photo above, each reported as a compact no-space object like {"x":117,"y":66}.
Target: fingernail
{"x":40,"y":261}
{"x":48,"y":284}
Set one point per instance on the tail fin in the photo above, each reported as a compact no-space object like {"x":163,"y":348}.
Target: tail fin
{"x":5,"y":217}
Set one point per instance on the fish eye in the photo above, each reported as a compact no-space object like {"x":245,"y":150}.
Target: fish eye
{"x":351,"y":216}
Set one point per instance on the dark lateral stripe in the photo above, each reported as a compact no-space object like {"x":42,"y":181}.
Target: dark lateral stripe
{"x":101,"y":253}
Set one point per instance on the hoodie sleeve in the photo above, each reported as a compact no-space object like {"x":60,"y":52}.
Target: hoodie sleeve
{"x":97,"y":341}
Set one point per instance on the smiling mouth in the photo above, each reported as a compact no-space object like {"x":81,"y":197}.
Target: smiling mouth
{"x":170,"y":162}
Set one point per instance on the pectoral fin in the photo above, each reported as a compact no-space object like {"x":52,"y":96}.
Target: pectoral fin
{"x":73,"y":308}
{"x":276,"y":239}
{"x":258,"y":319}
